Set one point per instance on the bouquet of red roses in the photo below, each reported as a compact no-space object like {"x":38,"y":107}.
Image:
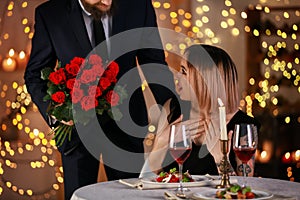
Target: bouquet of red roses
{"x":83,"y":84}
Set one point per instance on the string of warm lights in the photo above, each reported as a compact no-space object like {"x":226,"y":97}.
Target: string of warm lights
{"x":38,"y":142}
{"x":16,"y":111}
{"x":28,"y":192}
{"x":274,"y":65}
{"x":280,"y":63}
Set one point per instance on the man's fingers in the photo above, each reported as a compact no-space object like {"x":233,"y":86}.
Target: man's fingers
{"x":69,"y":123}
{"x":195,"y":131}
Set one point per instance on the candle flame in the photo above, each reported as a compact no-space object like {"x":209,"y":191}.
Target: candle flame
{"x":220,"y":102}
{"x":11,"y":52}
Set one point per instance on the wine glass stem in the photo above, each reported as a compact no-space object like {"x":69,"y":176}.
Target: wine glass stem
{"x":244,"y":173}
{"x":180,"y":178}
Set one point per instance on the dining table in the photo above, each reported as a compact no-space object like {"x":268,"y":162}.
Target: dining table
{"x":133,"y":189}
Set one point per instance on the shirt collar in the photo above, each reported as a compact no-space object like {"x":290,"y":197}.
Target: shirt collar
{"x":83,"y":9}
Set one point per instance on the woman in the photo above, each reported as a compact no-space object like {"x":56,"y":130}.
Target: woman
{"x":207,"y":73}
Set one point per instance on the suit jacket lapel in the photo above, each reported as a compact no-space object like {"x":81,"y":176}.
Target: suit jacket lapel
{"x":119,"y":19}
{"x":78,"y":26}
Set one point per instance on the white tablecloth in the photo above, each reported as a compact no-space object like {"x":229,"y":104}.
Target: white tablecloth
{"x":115,"y":190}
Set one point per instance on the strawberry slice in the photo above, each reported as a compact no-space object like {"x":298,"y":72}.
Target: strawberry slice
{"x":250,"y":195}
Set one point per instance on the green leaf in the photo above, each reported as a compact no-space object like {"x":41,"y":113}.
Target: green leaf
{"x":115,"y":114}
{"x":52,"y":89}
{"x":99,"y":111}
{"x":46,"y":72}
{"x":235,"y":188}
{"x":185,"y":179}
{"x":122,"y":92}
{"x":82,"y":116}
{"x":47,"y":97}
{"x":162,"y":174}
{"x":172,"y":170}
{"x":246,"y":189}
{"x":62,"y":113}
{"x":102,"y":103}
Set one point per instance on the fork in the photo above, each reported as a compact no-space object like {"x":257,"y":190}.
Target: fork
{"x":170,"y":196}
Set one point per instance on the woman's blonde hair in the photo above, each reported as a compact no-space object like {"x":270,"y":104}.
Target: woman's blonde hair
{"x":215,"y":76}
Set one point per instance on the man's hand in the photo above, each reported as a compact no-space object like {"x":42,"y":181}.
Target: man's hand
{"x":69,"y":123}
{"x":196,"y":128}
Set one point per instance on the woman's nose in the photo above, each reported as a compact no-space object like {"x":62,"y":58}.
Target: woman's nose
{"x":177,"y":75}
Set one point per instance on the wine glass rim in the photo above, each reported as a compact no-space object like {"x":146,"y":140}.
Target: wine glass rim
{"x":243,"y":124}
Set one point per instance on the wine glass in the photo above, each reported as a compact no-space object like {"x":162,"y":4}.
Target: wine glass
{"x":244,"y":144}
{"x":180,"y":148}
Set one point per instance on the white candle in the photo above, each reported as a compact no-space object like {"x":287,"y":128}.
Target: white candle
{"x":222,"y":115}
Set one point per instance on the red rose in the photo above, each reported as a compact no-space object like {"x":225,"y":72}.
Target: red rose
{"x":76,"y":94}
{"x":110,"y":75}
{"x":88,"y":76}
{"x":94,"y":59}
{"x":76,"y":83}
{"x":72,"y":69}
{"x":113,"y":80}
{"x":98,"y":70}
{"x":94,"y":91}
{"x":77,"y":61}
{"x":70,"y":83}
{"x":112,"y":98}
{"x":104,"y":83}
{"x":58,"y":77}
{"x":112,"y":71}
{"x":88,"y":103}
{"x":114,"y":67}
{"x":58,"y":97}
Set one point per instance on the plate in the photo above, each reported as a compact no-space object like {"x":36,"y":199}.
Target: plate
{"x":198,"y":181}
{"x":210,"y":194}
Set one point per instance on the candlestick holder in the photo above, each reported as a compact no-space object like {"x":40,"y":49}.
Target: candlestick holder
{"x":225,"y":166}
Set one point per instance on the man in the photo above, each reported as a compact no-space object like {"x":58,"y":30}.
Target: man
{"x":63,"y":31}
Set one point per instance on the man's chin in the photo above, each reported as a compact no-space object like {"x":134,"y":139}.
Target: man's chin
{"x":97,"y":14}
{"x":103,"y":9}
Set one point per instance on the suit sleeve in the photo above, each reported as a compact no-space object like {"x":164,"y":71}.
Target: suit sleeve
{"x":151,"y":37}
{"x":155,"y":56}
{"x":42,"y":55}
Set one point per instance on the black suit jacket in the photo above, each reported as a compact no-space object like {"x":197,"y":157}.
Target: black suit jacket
{"x":60,"y":34}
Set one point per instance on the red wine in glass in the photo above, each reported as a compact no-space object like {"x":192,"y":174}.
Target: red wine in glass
{"x":244,"y":154}
{"x":180,"y":154}
{"x":180,"y":147}
{"x":245,"y":141}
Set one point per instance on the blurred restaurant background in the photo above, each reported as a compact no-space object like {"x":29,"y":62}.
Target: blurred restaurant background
{"x":262,"y":37}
